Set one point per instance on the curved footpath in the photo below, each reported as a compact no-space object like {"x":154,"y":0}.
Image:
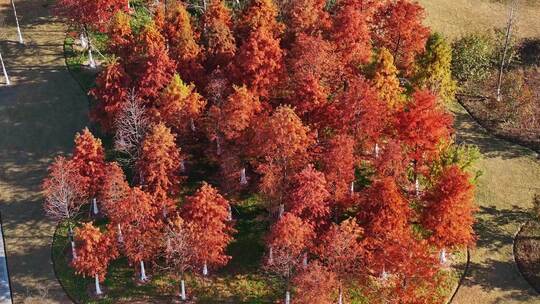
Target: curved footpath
{"x":511,"y":177}
{"x":39,"y":115}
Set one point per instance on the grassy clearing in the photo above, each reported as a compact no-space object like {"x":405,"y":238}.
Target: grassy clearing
{"x":457,"y":17}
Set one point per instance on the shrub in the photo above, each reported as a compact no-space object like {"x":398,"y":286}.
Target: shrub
{"x":471,"y":57}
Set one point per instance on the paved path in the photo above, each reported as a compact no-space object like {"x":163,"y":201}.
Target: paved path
{"x":504,"y":195}
{"x":39,"y":115}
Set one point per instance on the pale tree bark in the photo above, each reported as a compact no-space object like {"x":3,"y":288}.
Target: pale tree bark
{"x":442,"y":257}
{"x":131,"y":126}
{"x":95,"y":209}
{"x":21,"y":40}
{"x":243,"y":178}
{"x":98,"y":288}
{"x":287,"y":297}
{"x":377,"y":150}
{"x":183,"y":290}
{"x":352,"y":188}
{"x":144,"y":278}
{"x":205,"y":269}
{"x":505,"y":50}
{"x":120,"y":236}
{"x":6,"y":77}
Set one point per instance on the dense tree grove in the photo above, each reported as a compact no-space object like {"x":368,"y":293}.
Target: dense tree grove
{"x":333,"y":114}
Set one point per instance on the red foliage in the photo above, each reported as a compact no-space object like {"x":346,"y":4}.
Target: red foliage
{"x":351,"y":32}
{"x":208,"y":213}
{"x":112,"y":89}
{"x":89,"y":158}
{"x":95,"y":250}
{"x":259,"y":62}
{"x":218,"y":38}
{"x":309,"y":198}
{"x":159,"y":166}
{"x":306,"y":16}
{"x":338,"y":166}
{"x":115,"y":189}
{"x":261,"y":14}
{"x":120,"y":35}
{"x":449,"y":211}
{"x":315,"y":285}
{"x":422,"y":126}
{"x":398,"y":28}
{"x":94,"y":13}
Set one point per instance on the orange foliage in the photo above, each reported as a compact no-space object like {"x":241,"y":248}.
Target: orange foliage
{"x":89,"y":158}
{"x":218,"y":38}
{"x":338,"y":165}
{"x":315,"y":285}
{"x":120,"y":35}
{"x":386,"y":80}
{"x":115,"y":189}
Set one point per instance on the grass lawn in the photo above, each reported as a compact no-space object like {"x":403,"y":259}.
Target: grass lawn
{"x":457,"y":17}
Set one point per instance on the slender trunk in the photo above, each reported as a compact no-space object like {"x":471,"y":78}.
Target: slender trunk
{"x":21,"y":41}
{"x":98,"y":288}
{"x":352,"y":187}
{"x":144,"y":278}
{"x":230,"y":218}
{"x":91,"y":60}
{"x":340,"y":295}
{"x":84,"y":41}
{"x":73,"y":251}
{"x":305,"y":261}
{"x":287,"y":297}
{"x":416,"y":186}
{"x":182,"y":166}
{"x":192,"y":125}
{"x":270,"y":256}
{"x":376,"y":150}
{"x":218,"y":145}
{"x":243,"y":178}
{"x":95,"y":206}
{"x":6,"y":77}
{"x":120,"y":236}
{"x":506,"y":42}
{"x":442,"y":256}
{"x":205,"y":269}
{"x":183,"y":290}
{"x":281,"y":210}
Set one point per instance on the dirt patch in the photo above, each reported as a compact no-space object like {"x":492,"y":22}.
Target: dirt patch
{"x":527,"y":252}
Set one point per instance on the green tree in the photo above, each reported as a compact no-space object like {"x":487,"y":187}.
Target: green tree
{"x":471,"y":58}
{"x":434,"y":68}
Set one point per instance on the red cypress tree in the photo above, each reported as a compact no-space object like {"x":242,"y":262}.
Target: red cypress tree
{"x":89,"y":158}
{"x":112,"y":89}
{"x":342,"y":252}
{"x":150,"y":64}
{"x":309,"y":198}
{"x":260,"y":14}
{"x":338,"y":162}
{"x":259,"y":62}
{"x":315,"y":285}
{"x":95,"y":250}
{"x":282,"y":142}
{"x":398,"y":28}
{"x":115,"y":189}
{"x":159,"y":166}
{"x":182,"y":41}
{"x":89,"y":13}
{"x":351,"y":32}
{"x":120,"y":35}
{"x":218,"y":38}
{"x":208,"y":213}
{"x":449,"y":213}
{"x":306,"y":16}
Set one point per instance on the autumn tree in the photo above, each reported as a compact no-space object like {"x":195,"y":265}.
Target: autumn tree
{"x":64,"y":193}
{"x":338,"y":164}
{"x":258,"y":64}
{"x":150,"y":64}
{"x":288,"y":241}
{"x":110,"y":92}
{"x":120,"y":35}
{"x":115,"y":189}
{"x":422,"y":126}
{"x":136,"y":214}
{"x":89,"y":158}
{"x":341,"y":251}
{"x":351,"y":33}
{"x":306,"y":16}
{"x":208,"y":213}
{"x":449,"y":210}
{"x":259,"y":15}
{"x":217,"y":35}
{"x":314,"y":75}
{"x":180,"y":106}
{"x":398,"y":28}
{"x":386,"y":80}
{"x":434,"y":69}
{"x":281,"y":143}
{"x":89,"y":13}
{"x":315,"y":285}
{"x":309,"y":198}
{"x":180,"y":256}
{"x":159,"y":166}
{"x":95,"y":251}
{"x":131,"y":126}
{"x":182,"y":41}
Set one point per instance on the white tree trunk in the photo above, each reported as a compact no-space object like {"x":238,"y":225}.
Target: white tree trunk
{"x":94,"y":206}
{"x":144,"y":278}
{"x":288,"y":297}
{"x":98,"y":288}
{"x":305,"y":261}
{"x":377,"y":150}
{"x":91,"y":60}
{"x":205,"y":269}
{"x":281,"y":210}
{"x":270,"y":256}
{"x":352,"y":187}
{"x":120,"y":236}
{"x":183,"y":290}
{"x":417,"y":186}
{"x":73,"y":250}
{"x":6,"y":77}
{"x":182,"y":166}
{"x":442,"y":256}
{"x":218,"y":145}
{"x":21,"y":41}
{"x":340,"y":296}
{"x":230,"y":213}
{"x":243,"y":178}
{"x":192,"y":125}
{"x":84,"y":41}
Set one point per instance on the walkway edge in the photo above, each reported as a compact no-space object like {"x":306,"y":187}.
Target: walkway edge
{"x":456,"y":289}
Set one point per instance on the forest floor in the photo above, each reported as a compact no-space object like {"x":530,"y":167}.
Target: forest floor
{"x":504,"y":195}
{"x":39,"y":115}
{"x":457,"y":17}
